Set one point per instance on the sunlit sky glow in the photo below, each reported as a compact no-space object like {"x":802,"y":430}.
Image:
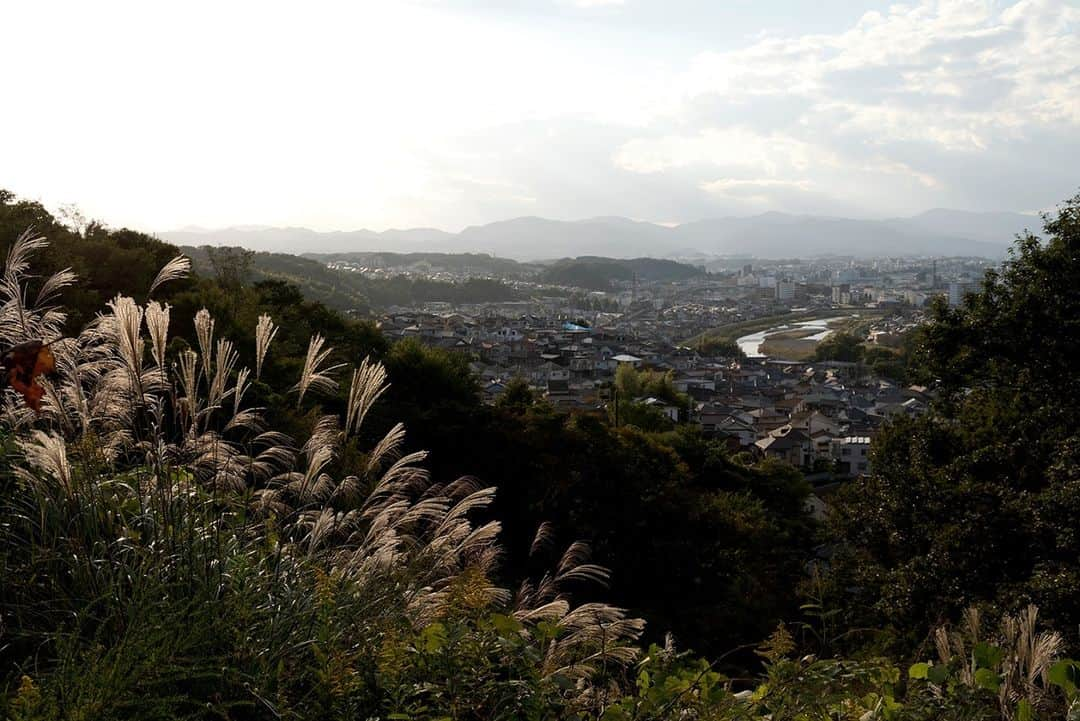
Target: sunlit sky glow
{"x":448,"y":113}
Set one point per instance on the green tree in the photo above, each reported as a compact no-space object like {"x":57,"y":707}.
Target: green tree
{"x":840,"y":346}
{"x":976,"y":503}
{"x":517,"y":396}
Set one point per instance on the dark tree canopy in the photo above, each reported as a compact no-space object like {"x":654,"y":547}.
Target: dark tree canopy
{"x":977,"y":502}
{"x":840,"y":346}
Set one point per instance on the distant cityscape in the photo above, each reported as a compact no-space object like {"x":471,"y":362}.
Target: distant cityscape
{"x":761,"y":391}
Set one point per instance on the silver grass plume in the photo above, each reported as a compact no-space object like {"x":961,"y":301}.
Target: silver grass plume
{"x":52,"y":286}
{"x":1027,"y":656}
{"x":242,"y":384}
{"x":204,"y":331}
{"x":385,"y":525}
{"x":48,"y":453}
{"x":368,"y":384}
{"x":157,"y":325}
{"x":265,"y":330}
{"x":20,"y":319}
{"x":314,"y":376}
{"x":175,"y":269}
{"x":189,"y":383}
{"x":225,"y":359}
{"x":127,"y":327}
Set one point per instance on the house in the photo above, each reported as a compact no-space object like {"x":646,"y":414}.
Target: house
{"x":667,"y":409}
{"x":815,"y":507}
{"x":558,"y":392}
{"x":788,"y":445}
{"x":767,"y":420}
{"x":734,"y":428}
{"x":493,"y":390}
{"x":627,"y":359}
{"x":852,"y":454}
{"x":814,"y":422}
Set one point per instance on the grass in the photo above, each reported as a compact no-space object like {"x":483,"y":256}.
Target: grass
{"x":167,"y":555}
{"x":790,"y":345}
{"x":795,"y":344}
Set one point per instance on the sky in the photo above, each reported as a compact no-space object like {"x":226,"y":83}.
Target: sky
{"x":449,"y":113}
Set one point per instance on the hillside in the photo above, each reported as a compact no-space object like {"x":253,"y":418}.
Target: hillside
{"x":466,"y":263}
{"x":353,"y":292}
{"x":599,"y":273}
{"x":202,"y":522}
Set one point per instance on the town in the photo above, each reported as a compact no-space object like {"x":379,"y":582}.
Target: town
{"x":733,"y":346}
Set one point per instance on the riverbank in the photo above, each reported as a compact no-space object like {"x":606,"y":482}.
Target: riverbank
{"x":798,"y":341}
{"x":732,"y":331}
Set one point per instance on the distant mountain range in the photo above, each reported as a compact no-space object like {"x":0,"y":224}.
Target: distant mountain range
{"x":770,"y":235}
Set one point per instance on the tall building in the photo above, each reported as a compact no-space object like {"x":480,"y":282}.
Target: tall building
{"x":785,"y":290}
{"x":957,"y":291}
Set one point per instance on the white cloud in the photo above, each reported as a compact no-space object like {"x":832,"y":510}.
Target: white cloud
{"x":735,"y":147}
{"x":732,"y":187}
{"x":594,"y":3}
{"x":955,"y":73}
{"x":893,"y":101}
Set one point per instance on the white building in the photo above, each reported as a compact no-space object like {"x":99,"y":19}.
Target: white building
{"x":853,"y":454}
{"x":957,"y":291}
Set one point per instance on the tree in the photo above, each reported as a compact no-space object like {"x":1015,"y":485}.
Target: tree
{"x":840,"y":346}
{"x":517,"y":396}
{"x":976,"y":502}
{"x":723,"y":347}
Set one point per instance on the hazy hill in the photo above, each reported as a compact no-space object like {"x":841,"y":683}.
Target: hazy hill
{"x":303,"y":240}
{"x":354,"y":292}
{"x":769,"y":235}
{"x":987,"y":227}
{"x":532,"y":238}
{"x":600,"y":273}
{"x":471,"y":263}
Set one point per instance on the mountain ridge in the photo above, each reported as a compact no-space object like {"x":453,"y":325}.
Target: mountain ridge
{"x":772,"y":234}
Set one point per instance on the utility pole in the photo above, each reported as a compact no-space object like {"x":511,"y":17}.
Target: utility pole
{"x":615,"y":395}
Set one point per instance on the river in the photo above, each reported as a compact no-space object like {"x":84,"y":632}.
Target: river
{"x":751,"y":344}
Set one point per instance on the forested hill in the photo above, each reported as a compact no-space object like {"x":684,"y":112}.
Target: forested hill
{"x":466,"y":263}
{"x":597,"y":273}
{"x":343,"y":290}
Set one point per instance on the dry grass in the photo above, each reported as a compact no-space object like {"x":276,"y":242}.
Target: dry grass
{"x":180,"y":424}
{"x":790,"y":345}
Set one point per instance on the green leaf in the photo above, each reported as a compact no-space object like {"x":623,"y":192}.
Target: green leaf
{"x":505,"y":625}
{"x":918,"y":670}
{"x":433,"y":637}
{"x":937,"y":674}
{"x":1065,"y":674}
{"x":987,"y":679}
{"x":1024,"y":712}
{"x":987,"y":655}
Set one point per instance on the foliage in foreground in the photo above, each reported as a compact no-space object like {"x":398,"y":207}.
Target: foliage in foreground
{"x":167,"y":554}
{"x":978,"y":502}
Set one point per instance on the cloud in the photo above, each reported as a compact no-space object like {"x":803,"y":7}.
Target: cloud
{"x":905,"y":103}
{"x":759,"y":191}
{"x":451,"y":112}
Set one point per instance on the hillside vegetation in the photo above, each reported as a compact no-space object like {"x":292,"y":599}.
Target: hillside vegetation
{"x":342,"y":290}
{"x":473,"y":263}
{"x":219,"y":514}
{"x":600,"y":273}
